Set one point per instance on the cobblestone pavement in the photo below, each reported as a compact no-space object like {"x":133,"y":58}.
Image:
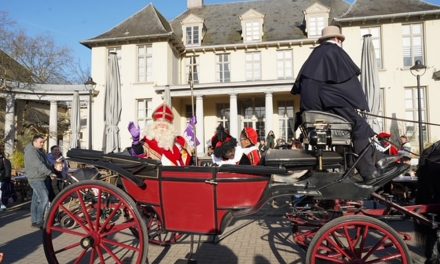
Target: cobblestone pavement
{"x":264,"y":238}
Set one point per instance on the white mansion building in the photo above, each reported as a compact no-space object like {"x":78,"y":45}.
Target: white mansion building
{"x":244,"y":57}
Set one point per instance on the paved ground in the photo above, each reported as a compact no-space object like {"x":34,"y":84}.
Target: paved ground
{"x":262,"y":239}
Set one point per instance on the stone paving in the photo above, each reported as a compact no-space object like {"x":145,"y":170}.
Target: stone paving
{"x":261,"y":239}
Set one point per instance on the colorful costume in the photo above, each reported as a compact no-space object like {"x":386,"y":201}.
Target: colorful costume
{"x":249,"y":140}
{"x":159,"y":144}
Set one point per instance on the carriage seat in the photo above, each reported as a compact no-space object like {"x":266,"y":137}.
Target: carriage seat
{"x":301,"y":159}
{"x":326,"y":128}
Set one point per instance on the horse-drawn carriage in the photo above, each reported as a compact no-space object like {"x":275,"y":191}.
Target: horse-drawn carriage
{"x":112,"y":218}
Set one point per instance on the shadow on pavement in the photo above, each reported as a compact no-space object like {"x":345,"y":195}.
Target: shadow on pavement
{"x":18,"y":248}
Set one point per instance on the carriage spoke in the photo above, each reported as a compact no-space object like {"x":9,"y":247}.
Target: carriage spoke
{"x":99,"y":252}
{"x":92,"y":256}
{"x":110,"y":252}
{"x":374,"y":248}
{"x":79,"y":259}
{"x":67,"y":231}
{"x":113,"y":243}
{"x":337,"y":247}
{"x":98,"y":211}
{"x":77,"y":220}
{"x":84,"y":210}
{"x":110,"y":217}
{"x":67,"y":248}
{"x":349,"y":241}
{"x":118,"y":228}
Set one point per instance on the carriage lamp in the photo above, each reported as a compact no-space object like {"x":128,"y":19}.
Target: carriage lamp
{"x":418,"y":70}
{"x":90,"y":86}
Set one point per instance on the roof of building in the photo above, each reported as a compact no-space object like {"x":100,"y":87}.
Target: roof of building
{"x":147,"y":22}
{"x":11,"y":70}
{"x":365,"y":8}
{"x":283,"y":19}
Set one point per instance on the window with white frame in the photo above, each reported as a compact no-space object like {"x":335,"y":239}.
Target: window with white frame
{"x":253,"y":66}
{"x":286,"y":117}
{"x":223,"y":68}
{"x":315,"y":26}
{"x":252,"y":31}
{"x":223,"y":115}
{"x":145,"y":63}
{"x":192,"y":35}
{"x":412,"y":112}
{"x":117,"y":50}
{"x":192,"y":66}
{"x":412,"y":42}
{"x":284,"y":64}
{"x":377,"y":43}
{"x":144,"y":111}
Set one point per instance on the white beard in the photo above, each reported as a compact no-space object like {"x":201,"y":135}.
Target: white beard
{"x":164,"y":136}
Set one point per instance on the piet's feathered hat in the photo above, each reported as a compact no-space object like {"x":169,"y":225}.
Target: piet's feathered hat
{"x":222,"y":142}
{"x":384,"y":135}
{"x":163,"y":112}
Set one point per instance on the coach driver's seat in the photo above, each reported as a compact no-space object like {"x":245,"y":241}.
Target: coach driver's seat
{"x":323,"y":135}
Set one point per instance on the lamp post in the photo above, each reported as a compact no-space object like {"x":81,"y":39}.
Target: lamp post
{"x":418,"y":70}
{"x":90,"y":85}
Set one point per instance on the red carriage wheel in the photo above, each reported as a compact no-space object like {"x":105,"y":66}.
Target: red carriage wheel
{"x":90,"y":221}
{"x":357,"y":239}
{"x":156,"y":234}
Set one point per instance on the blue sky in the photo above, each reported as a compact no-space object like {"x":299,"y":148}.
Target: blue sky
{"x":70,"y":22}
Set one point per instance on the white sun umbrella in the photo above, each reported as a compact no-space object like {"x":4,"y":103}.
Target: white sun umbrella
{"x":370,"y":82}
{"x":112,"y":106}
{"x":75,"y":124}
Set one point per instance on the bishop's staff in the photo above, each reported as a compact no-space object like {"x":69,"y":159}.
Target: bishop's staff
{"x":191,"y":133}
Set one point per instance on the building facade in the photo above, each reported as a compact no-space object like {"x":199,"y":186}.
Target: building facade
{"x":235,"y":63}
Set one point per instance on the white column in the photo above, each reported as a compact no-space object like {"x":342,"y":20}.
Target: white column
{"x":268,"y":125}
{"x":9,"y":124}
{"x":53,"y":124}
{"x":200,"y":126}
{"x":233,"y":112}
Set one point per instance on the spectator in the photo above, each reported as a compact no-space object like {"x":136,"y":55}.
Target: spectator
{"x":404,"y":143}
{"x":405,"y":149}
{"x":37,"y":169}
{"x":56,"y":159}
{"x":262,"y":147}
{"x":270,"y":140}
{"x":5,"y":178}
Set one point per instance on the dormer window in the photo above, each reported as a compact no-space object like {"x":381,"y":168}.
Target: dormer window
{"x":316,"y":18}
{"x":192,"y":28}
{"x":192,"y":35}
{"x":315,"y":26}
{"x":252,"y":31}
{"x":252,"y":26}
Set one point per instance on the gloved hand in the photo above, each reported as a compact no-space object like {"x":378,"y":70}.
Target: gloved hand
{"x":135,"y":132}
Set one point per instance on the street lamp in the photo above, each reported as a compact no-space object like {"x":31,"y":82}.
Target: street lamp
{"x":418,"y":70}
{"x":90,"y":85}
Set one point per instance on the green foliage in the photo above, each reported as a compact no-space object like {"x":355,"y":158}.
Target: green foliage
{"x":17,"y":160}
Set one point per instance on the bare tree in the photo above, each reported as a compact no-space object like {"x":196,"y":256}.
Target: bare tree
{"x":48,"y":62}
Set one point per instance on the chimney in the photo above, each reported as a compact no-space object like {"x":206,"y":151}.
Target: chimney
{"x":195,"y":4}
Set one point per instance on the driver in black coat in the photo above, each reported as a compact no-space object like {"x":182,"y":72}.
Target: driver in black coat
{"x":328,"y":81}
